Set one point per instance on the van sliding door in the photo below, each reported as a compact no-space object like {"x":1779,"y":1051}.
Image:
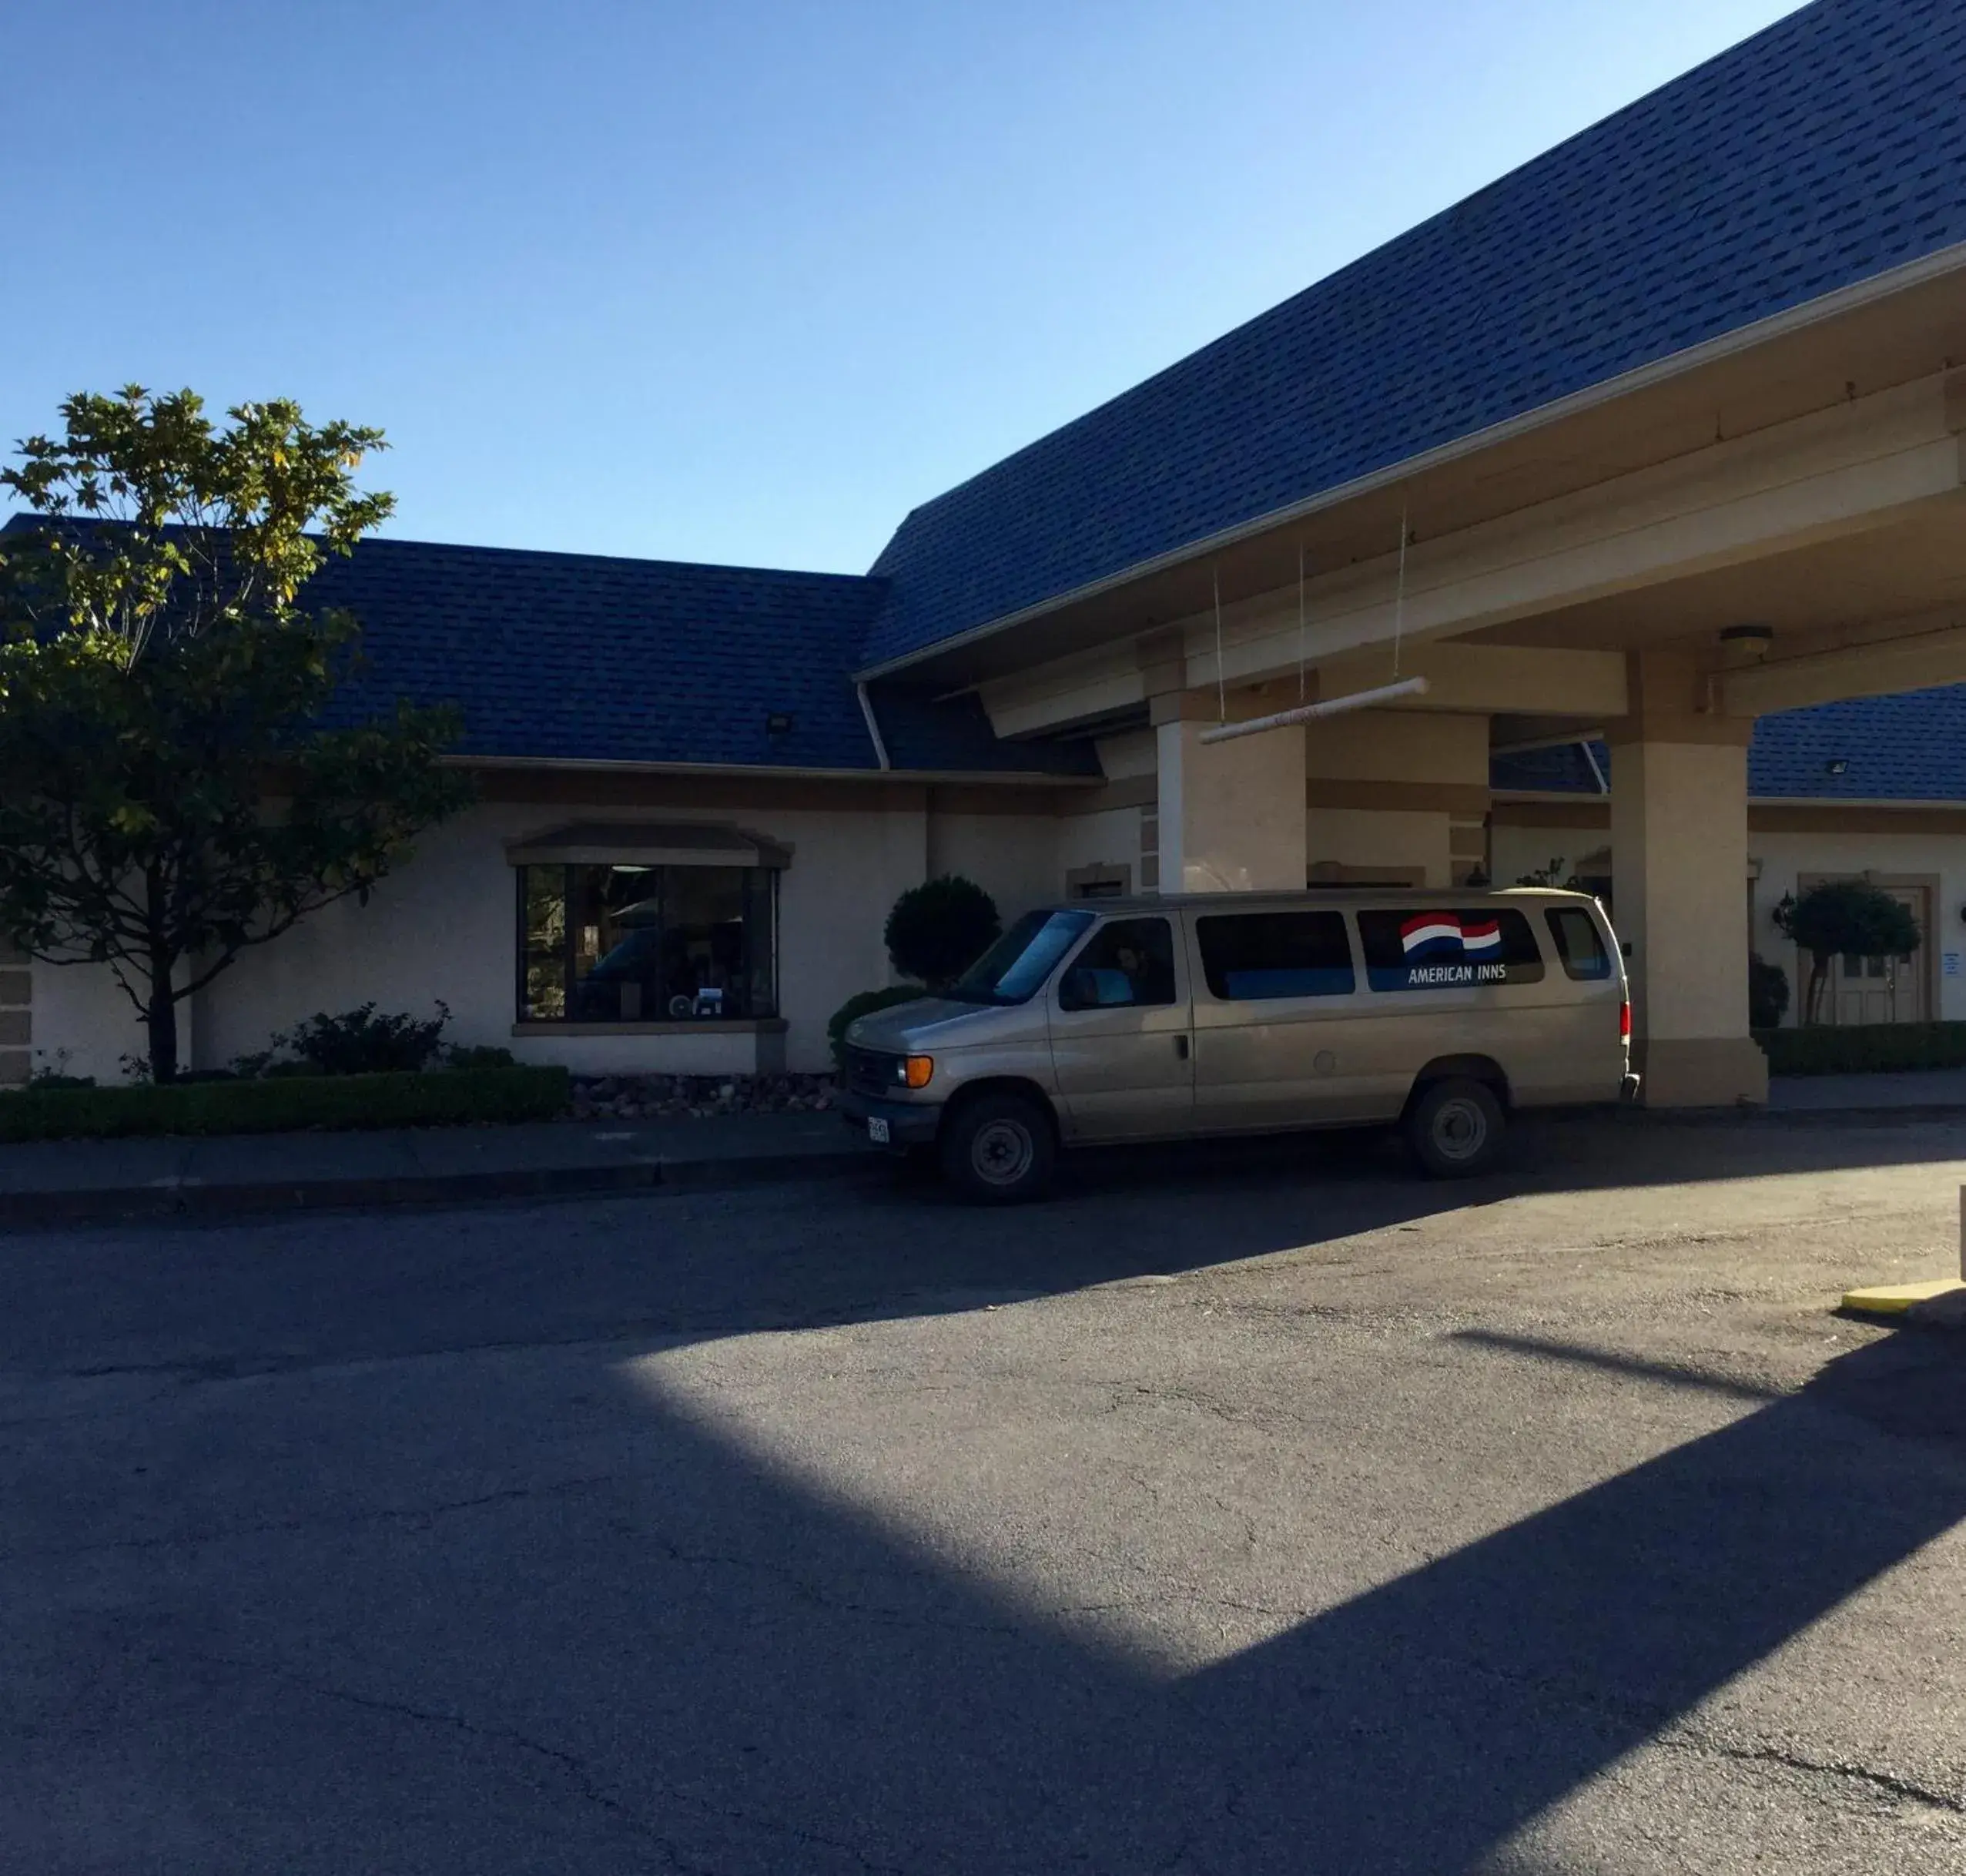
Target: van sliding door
{"x":1278,"y":1006}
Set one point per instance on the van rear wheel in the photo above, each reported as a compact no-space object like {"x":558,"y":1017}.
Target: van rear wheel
{"x":999,"y":1149}
{"x":1456,"y":1129}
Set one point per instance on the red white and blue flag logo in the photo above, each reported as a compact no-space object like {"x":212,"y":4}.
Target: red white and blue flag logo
{"x":1429,"y":936}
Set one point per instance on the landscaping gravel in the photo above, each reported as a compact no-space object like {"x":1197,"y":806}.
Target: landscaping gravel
{"x":629,"y":1098}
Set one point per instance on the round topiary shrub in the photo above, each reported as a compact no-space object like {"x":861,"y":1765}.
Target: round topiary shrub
{"x":1844,"y":918}
{"x":939,"y":928}
{"x":1767,"y":992}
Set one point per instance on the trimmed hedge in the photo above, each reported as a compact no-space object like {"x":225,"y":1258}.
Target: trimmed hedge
{"x":1863,"y":1048}
{"x":442,"y":1097}
{"x":865,"y":1003}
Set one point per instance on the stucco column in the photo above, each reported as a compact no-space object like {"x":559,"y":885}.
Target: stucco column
{"x":1233,"y":815}
{"x":1678,"y":866}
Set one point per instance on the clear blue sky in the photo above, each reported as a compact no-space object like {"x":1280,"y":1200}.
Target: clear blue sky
{"x":734,"y":279}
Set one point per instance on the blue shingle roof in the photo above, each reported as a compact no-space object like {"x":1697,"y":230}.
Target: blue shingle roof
{"x":575,"y":657}
{"x":1824,"y":151}
{"x":1911,"y":747}
{"x":1906,"y":748}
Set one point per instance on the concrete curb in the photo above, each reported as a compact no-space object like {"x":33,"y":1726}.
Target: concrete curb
{"x":191,"y":1199}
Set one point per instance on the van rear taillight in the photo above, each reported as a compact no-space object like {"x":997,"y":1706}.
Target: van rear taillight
{"x":1624,"y":1022}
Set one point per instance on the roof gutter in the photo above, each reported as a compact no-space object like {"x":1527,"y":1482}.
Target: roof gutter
{"x":1933,"y":267}
{"x":1003,"y":777}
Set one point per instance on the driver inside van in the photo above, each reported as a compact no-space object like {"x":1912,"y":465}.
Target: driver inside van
{"x":1132,"y":964}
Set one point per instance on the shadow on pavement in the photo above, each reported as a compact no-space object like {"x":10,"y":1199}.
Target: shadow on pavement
{"x":674,"y":1656}
{"x":636,"y":1646}
{"x":895,"y":1244}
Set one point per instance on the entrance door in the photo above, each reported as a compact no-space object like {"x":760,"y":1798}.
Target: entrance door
{"x":1885,"y":990}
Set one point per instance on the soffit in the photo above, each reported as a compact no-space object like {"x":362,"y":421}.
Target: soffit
{"x":1914,"y":567}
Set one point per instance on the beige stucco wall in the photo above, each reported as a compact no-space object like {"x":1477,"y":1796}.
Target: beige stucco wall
{"x":1415,"y":754}
{"x":1110,"y":838}
{"x":1130,"y":755}
{"x":1776,"y":861}
{"x":1679,"y":847}
{"x":1399,"y":746}
{"x":83,"y":1024}
{"x":1231,"y":814}
{"x":446,"y":927}
{"x":1518,"y":851}
{"x":1367,"y":837}
{"x":1012,"y":857}
{"x":1783,"y":857}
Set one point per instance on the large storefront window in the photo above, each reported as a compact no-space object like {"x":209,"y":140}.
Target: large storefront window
{"x":621,"y":943}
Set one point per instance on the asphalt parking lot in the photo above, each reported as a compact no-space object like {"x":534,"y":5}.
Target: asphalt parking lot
{"x":1269,"y":1512}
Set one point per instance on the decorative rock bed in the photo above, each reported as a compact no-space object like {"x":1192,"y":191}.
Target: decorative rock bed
{"x":664,"y":1097}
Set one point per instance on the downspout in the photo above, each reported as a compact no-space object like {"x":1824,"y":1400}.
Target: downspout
{"x":873,"y":728}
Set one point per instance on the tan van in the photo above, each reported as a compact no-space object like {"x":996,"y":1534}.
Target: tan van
{"x":1178,"y":1017}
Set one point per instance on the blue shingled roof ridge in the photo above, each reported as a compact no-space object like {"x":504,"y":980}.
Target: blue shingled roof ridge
{"x":581,"y":657}
{"x":1824,"y":151}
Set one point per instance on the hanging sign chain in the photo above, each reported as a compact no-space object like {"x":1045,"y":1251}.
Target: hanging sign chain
{"x":1302,"y":693}
{"x":1399,"y":597}
{"x":1221,"y":686}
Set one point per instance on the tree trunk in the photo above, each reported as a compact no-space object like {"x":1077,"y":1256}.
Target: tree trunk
{"x":161,"y":1021}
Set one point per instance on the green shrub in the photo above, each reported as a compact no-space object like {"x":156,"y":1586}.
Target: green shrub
{"x":480,"y":1055}
{"x":445,"y":1098}
{"x":865,"y":1003}
{"x":1843,"y":918}
{"x":1767,"y":992}
{"x":1862,"y":1049}
{"x":939,"y":928}
{"x":358,"y":1041}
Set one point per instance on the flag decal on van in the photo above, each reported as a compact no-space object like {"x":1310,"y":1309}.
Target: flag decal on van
{"x":1447,"y":934}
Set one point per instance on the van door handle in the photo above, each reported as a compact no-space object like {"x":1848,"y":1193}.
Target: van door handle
{"x":1181,"y":1047}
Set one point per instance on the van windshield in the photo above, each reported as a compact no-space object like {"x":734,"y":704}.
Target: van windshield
{"x":1013,"y":969}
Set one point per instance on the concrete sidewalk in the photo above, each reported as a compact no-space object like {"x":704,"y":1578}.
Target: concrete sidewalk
{"x":72,"y":1180}
{"x":76,"y":1180}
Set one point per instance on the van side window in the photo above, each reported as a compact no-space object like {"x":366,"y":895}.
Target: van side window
{"x":1127,"y":965}
{"x":1578,"y":944}
{"x":1248,"y":956}
{"x":1448,"y":951}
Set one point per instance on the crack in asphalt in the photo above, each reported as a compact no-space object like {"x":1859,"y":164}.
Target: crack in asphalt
{"x":351,"y":1521}
{"x":1686,"y":1739}
{"x":579,"y":1770}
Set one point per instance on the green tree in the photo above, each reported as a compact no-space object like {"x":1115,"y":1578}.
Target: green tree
{"x":169,"y":794}
{"x":939,"y":928}
{"x":1843,"y":918}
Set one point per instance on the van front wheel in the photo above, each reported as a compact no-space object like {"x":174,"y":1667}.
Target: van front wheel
{"x":999,"y":1149}
{"x":1456,"y":1129}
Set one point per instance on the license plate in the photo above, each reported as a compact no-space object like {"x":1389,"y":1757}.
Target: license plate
{"x":877,"y":1132}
